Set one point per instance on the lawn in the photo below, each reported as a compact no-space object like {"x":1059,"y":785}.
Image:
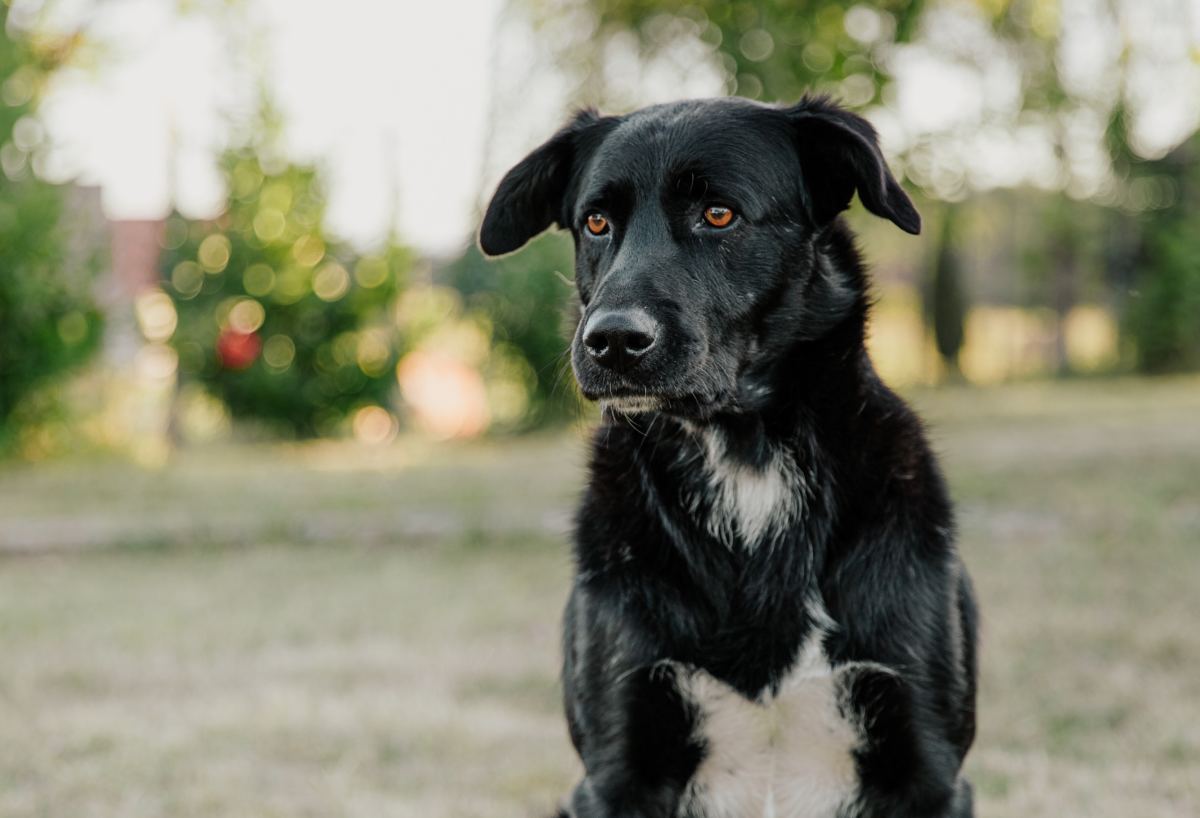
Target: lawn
{"x":326,"y":630}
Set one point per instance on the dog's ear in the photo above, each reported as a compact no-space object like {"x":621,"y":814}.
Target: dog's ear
{"x":839,"y":153}
{"x":531,"y":196}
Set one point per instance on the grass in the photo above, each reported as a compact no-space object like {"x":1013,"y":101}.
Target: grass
{"x":331,"y":631}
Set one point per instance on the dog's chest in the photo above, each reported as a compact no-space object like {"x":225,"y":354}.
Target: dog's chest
{"x":740,"y":503}
{"x":787,"y":755}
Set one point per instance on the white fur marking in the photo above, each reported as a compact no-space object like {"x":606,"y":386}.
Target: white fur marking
{"x":750,"y":503}
{"x":787,"y":755}
{"x":631,"y":405}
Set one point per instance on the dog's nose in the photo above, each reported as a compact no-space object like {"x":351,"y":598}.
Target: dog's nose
{"x":617,"y":339}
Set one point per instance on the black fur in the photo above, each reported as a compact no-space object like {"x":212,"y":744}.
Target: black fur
{"x":761,"y":347}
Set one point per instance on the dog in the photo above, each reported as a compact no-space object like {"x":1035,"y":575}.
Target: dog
{"x":769,"y":616}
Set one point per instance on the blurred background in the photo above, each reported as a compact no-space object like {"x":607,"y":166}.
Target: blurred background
{"x":286,"y":466}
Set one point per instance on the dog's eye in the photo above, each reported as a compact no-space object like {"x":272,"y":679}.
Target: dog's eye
{"x":718,"y":216}
{"x":597,"y":225}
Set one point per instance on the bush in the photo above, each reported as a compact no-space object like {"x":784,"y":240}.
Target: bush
{"x":48,"y":322}
{"x":280,"y":322}
{"x":1163,"y":316}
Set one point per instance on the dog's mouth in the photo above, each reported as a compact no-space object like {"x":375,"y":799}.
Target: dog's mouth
{"x":693,"y":405}
{"x":631,"y":404}
{"x":684,"y":389}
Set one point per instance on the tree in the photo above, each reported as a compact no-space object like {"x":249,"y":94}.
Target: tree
{"x":1163,"y":314}
{"x":772,"y":49}
{"x":1152,"y":257}
{"x":279,"y":320}
{"x":48,"y":323}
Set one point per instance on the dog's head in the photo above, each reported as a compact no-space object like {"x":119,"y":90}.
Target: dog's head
{"x":695,"y":227}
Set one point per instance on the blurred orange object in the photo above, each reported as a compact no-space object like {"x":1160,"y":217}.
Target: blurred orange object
{"x":446,"y":396}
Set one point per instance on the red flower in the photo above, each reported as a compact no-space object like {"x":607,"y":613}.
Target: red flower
{"x":238,"y":350}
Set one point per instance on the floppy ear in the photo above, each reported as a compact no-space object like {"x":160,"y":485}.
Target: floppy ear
{"x":531,"y":196}
{"x":839,"y":153}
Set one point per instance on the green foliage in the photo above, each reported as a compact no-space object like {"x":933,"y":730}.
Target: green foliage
{"x":525,"y":297}
{"x":1163,"y":317}
{"x":275,"y":318}
{"x":48,"y":323}
{"x":778,"y":49}
{"x":772,"y":49}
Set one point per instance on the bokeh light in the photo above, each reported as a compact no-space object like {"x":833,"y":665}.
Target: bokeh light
{"x":258,"y":279}
{"x":187,"y":278}
{"x":371,"y":271}
{"x":331,"y":282}
{"x":374,"y":426}
{"x":269,"y":224}
{"x":246,"y":315}
{"x":308,"y":250}
{"x":446,"y":397}
{"x":213,"y":254}
{"x":278,"y":351}
{"x":156,"y":315}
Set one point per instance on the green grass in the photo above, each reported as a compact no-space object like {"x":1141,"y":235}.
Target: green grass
{"x":331,"y":631}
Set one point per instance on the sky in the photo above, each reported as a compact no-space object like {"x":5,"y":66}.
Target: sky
{"x":390,"y":98}
{"x":395,"y":100}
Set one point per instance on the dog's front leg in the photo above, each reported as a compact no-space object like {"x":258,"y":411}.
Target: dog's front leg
{"x":628,"y":719}
{"x":637,"y":746}
{"x":904,"y":770}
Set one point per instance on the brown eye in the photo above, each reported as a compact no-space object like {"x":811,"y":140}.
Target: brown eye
{"x":718,"y":216}
{"x":597,"y":225}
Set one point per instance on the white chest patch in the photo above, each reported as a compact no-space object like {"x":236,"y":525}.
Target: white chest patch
{"x":749,"y":503}
{"x":788,"y":755}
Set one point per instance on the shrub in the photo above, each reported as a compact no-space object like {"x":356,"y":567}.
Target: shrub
{"x":48,"y":322}
{"x":282,"y":323}
{"x":1163,"y":316}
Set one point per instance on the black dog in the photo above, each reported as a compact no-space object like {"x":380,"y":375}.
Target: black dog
{"x":769,"y":617}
